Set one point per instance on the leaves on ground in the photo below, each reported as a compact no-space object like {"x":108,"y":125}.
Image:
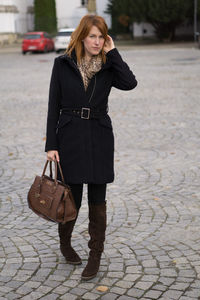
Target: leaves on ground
{"x":102,"y":288}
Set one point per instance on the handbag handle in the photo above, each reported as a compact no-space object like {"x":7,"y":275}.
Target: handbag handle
{"x":56,"y":164}
{"x":61,"y":173}
{"x":50,"y":169}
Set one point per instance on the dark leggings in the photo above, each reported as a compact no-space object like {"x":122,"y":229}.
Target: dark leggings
{"x":96,"y":193}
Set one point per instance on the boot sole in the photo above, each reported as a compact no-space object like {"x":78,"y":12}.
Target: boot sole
{"x":89,"y":277}
{"x":74,"y":262}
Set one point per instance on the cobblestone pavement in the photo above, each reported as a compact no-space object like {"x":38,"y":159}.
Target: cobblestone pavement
{"x":152,"y":249}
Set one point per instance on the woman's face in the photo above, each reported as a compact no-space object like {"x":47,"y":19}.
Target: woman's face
{"x":93,"y":43}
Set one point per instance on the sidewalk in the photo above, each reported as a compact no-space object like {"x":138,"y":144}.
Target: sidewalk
{"x":121,"y":45}
{"x":152,"y":248}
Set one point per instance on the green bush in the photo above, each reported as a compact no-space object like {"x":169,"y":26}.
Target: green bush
{"x":45,"y":16}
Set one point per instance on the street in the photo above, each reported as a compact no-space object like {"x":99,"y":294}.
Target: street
{"x":152,"y":248}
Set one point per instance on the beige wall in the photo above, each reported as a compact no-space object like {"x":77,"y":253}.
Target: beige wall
{"x":14,"y":17}
{"x":69,"y":13}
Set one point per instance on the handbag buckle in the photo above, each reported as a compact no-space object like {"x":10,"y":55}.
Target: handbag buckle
{"x":83,"y":110}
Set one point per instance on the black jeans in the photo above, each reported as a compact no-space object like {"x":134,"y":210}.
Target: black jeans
{"x":96,"y":193}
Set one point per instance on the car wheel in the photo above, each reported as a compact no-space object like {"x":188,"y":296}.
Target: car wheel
{"x":24,"y":52}
{"x":58,"y":51}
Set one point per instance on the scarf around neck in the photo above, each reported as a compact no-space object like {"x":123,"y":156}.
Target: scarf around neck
{"x":89,"y":68}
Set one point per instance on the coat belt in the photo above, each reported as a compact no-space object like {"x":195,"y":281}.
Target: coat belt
{"x":85,"y":112}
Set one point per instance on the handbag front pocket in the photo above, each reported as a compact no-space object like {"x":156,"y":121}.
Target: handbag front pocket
{"x":45,"y":201}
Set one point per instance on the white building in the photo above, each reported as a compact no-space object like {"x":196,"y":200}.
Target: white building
{"x":70,"y":12}
{"x":101,"y":7}
{"x":16,"y":17}
{"x":147,"y":30}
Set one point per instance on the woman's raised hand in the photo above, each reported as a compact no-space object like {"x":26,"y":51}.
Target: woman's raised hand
{"x":53,"y":155}
{"x":109,"y":44}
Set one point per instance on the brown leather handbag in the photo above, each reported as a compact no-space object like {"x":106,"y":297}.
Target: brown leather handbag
{"x":52,"y":199}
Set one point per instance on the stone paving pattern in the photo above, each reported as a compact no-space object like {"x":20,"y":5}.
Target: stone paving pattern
{"x":152,"y":248}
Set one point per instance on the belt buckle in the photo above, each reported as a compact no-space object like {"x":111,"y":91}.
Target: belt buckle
{"x":83,"y":114}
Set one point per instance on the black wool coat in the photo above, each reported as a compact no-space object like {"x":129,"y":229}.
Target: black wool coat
{"x":85,"y":146}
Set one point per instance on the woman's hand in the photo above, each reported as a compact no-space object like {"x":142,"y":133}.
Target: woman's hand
{"x":109,"y":44}
{"x":53,"y":155}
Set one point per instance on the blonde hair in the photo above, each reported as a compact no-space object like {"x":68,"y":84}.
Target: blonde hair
{"x":82,"y":31}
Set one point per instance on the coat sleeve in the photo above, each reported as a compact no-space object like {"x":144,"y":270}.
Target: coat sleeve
{"x":123,"y":77}
{"x":53,"y":109}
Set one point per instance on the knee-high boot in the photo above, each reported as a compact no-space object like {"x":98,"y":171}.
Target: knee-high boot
{"x":65,"y":233}
{"x":97,"y":228}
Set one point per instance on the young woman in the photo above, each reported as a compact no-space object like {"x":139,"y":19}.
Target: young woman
{"x":79,"y":129}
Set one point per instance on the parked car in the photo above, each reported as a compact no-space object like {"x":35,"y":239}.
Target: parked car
{"x":37,"y":42}
{"x":62,"y":39}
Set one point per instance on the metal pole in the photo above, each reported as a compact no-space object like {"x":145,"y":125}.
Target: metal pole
{"x":195,"y":21}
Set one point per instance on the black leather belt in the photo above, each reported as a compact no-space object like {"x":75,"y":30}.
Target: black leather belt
{"x":85,"y":112}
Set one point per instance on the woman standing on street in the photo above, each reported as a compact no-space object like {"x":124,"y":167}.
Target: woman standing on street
{"x":79,"y":129}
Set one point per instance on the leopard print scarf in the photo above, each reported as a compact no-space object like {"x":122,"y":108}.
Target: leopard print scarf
{"x":89,"y":68}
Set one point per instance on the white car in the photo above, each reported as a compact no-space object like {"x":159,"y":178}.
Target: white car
{"x":62,"y":39}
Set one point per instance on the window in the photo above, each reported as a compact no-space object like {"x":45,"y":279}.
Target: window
{"x":32,"y":36}
{"x":64,"y":33}
{"x":84,"y":2}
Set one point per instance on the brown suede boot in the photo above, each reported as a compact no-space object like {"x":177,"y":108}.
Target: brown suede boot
{"x":97,"y":228}
{"x":65,"y":233}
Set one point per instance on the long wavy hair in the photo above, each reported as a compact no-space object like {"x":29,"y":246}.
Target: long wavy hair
{"x":82,"y":31}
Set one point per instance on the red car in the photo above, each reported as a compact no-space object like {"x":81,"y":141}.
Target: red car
{"x":37,"y":42}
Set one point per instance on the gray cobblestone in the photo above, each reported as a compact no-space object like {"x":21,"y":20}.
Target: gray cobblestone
{"x":172,"y":294}
{"x":153,"y":294}
{"x":32,"y":296}
{"x":126,"y":298}
{"x":22,"y":290}
{"x":185,"y":298}
{"x":125,"y":284}
{"x":44,"y":289}
{"x":193,"y":293}
{"x":61,"y":289}
{"x":50,"y":297}
{"x":152,"y":248}
{"x":144,"y":285}
{"x":69,"y":296}
{"x":134,"y":292}
{"x":149,"y":263}
{"x":109,"y":296}
{"x":11,"y":296}
{"x":116,"y":267}
{"x":118,"y":290}
{"x":90,"y":296}
{"x":131,"y":277}
{"x":14,"y":284}
{"x":115,"y":274}
{"x":78,"y":291}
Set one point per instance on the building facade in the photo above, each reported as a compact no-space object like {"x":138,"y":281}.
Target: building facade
{"x":147,"y":30}
{"x":69,"y":12}
{"x":16,"y":17}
